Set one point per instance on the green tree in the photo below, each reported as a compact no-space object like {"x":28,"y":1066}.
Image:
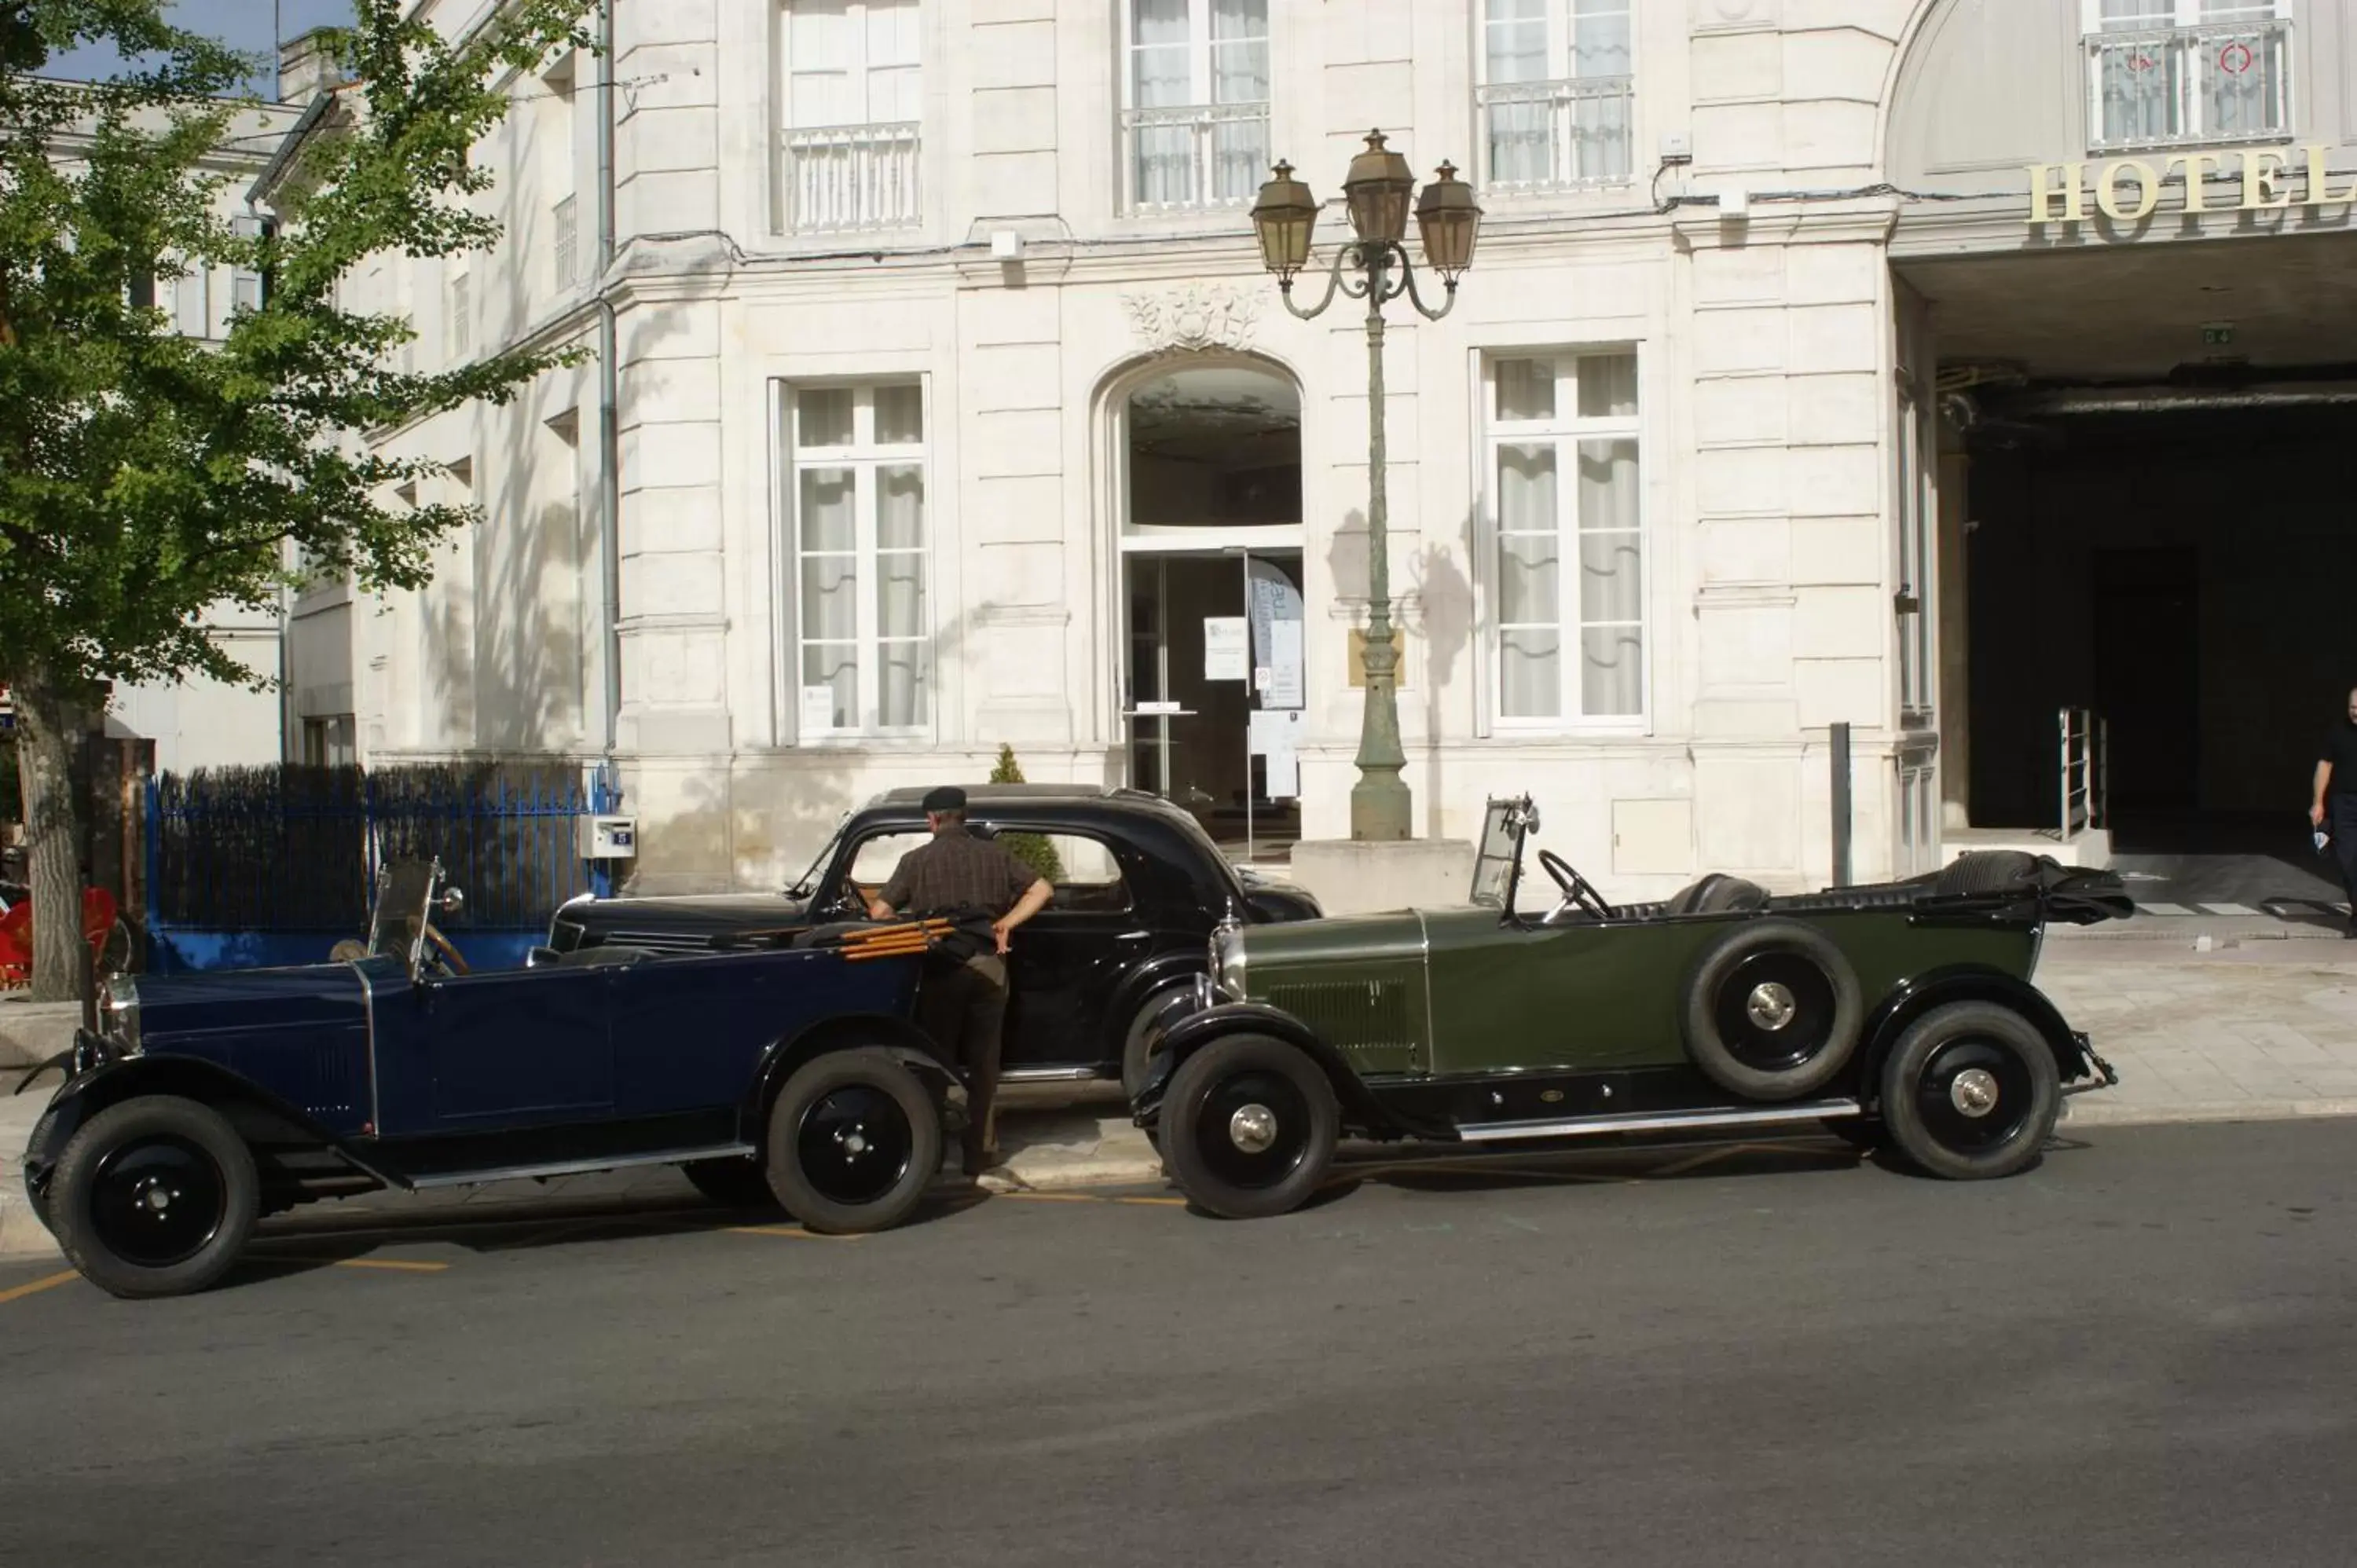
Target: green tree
{"x":146,"y":477}
{"x":1032,"y":850}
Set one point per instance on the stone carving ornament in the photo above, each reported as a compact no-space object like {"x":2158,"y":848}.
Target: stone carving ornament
{"x":1194,"y":317}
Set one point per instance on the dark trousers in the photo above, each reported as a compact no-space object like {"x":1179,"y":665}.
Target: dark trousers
{"x":2340,"y":821}
{"x":964,"y":1009}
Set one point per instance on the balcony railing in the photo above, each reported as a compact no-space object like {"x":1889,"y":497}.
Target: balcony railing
{"x":2186,"y":86}
{"x":1557,"y":136}
{"x":841,"y":177}
{"x":1198,"y":156}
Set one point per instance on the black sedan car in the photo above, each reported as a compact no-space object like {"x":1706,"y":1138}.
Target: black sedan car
{"x":1139,"y":888}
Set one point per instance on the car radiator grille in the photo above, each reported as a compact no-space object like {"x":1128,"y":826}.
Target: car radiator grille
{"x":1375,"y":1022}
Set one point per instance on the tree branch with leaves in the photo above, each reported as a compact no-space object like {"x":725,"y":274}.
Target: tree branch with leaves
{"x":147,"y":478}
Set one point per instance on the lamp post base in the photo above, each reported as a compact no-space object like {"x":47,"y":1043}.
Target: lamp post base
{"x":1381,"y":806}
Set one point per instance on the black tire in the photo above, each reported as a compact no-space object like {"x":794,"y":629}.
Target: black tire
{"x":1772,"y":1011}
{"x":1227,"y":1096}
{"x":1134,"y":1057}
{"x":741,"y":1183}
{"x":1971,"y":1127}
{"x":40,"y":1206}
{"x":154,"y":1196}
{"x":854,"y":1140}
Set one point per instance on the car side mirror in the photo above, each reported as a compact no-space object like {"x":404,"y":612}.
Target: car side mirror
{"x":452,"y":903}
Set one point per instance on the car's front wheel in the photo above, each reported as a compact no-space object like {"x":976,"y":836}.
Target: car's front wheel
{"x":853,"y":1142}
{"x":1971,"y":1092}
{"x":1248,"y":1127}
{"x":154,"y":1196}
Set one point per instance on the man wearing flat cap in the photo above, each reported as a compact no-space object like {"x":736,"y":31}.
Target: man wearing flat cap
{"x":964,"y":1005}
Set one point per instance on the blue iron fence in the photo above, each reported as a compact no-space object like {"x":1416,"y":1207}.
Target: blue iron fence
{"x":250,"y":867}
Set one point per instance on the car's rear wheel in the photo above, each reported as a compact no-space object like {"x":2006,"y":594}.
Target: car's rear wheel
{"x":742,"y":1183}
{"x":154,"y":1196}
{"x":853,"y":1142}
{"x":1971,"y":1092}
{"x":1248,"y":1127}
{"x":1772,"y":1010}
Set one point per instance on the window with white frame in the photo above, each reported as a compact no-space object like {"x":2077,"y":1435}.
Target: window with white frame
{"x":459,"y":306}
{"x":1195,"y":104}
{"x":863,"y":641}
{"x":2186,"y":73}
{"x":1557,"y":93}
{"x":852,"y":81}
{"x":1568,"y":559}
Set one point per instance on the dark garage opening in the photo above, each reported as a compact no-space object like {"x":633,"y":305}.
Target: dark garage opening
{"x":2188,"y":575}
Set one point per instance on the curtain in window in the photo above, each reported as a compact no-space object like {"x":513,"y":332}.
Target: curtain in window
{"x":1521,"y":139}
{"x":830,"y":587}
{"x":1601,"y":114}
{"x":1611,"y":602}
{"x":1239,"y":75}
{"x":900,"y":593}
{"x":1162,"y":77}
{"x":1530,"y":614}
{"x":2240,"y":71}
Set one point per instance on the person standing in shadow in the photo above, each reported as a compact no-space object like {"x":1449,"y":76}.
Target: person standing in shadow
{"x":2333,"y":809}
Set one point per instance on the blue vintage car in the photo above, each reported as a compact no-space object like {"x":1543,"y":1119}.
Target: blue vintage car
{"x":791,"y":1072}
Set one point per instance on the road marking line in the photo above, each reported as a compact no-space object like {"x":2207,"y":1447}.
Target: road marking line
{"x":1166,"y":1202}
{"x":796,"y":1232}
{"x":36,"y":1286}
{"x":2145,"y":908}
{"x":1050,"y":1197}
{"x":2225,"y":910}
{"x":399,"y":1264}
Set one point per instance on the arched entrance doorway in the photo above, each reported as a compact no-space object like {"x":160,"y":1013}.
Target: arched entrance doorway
{"x":1209,"y":535}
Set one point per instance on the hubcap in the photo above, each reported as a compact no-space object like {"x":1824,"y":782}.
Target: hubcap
{"x":1770,"y":1006}
{"x":157,"y":1202}
{"x":1253,"y":1129}
{"x":854,"y":1145}
{"x":1974,"y":1092}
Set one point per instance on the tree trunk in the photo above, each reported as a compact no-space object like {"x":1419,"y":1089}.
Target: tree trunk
{"x":53,"y":839}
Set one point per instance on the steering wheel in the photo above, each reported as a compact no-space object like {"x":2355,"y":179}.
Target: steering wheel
{"x":1577,"y":889}
{"x":443,"y":952}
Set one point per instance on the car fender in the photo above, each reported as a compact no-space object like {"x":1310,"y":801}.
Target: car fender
{"x":112,"y":1081}
{"x":1360,"y":1108}
{"x":1163,"y":973}
{"x":1917,"y":995}
{"x":897,"y":1038}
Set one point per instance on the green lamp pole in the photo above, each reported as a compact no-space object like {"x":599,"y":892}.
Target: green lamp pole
{"x":1374,"y":268}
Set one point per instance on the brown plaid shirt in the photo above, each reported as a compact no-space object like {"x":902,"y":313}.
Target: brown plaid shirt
{"x":957,"y":871}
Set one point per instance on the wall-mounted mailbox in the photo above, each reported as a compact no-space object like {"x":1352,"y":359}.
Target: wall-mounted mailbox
{"x":609,"y":838}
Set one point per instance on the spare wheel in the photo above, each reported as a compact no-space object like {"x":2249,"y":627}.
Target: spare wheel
{"x":1772,"y":1010}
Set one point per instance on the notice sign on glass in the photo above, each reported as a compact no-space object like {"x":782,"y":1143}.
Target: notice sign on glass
{"x":1227,"y":651}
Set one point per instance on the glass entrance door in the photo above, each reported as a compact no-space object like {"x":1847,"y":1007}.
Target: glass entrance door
{"x":1214,"y":689}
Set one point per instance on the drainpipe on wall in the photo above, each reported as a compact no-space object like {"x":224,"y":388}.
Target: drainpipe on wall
{"x":609,"y":441}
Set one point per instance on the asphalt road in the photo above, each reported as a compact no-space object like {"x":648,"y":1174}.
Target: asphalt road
{"x":2140,"y":1353}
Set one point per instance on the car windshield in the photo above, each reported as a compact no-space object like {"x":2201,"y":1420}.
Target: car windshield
{"x":399,"y":922}
{"x":802,"y":887}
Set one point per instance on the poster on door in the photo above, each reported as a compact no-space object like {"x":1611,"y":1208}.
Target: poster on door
{"x":1276,"y":640}
{"x":1275,"y":738}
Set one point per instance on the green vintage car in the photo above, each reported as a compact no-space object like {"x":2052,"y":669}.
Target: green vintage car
{"x":1902,"y":1013}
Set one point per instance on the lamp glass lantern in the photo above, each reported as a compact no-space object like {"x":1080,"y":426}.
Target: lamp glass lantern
{"x":1376,"y":192}
{"x":1451,"y":221}
{"x":1283,"y":219}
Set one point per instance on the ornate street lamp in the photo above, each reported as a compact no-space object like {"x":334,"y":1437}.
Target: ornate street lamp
{"x":1376,"y":194}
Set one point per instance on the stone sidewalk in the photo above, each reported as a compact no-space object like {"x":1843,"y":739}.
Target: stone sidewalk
{"x":2251,"y":1028}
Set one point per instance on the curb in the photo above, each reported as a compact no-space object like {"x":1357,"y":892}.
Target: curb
{"x":21,"y":1235}
{"x":2225,"y":1111}
{"x":1130,"y":1171}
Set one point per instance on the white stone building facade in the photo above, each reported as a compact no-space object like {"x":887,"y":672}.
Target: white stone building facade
{"x":949,"y":396}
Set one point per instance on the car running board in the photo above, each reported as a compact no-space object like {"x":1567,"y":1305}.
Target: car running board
{"x":580,"y":1168}
{"x":1657,"y":1121}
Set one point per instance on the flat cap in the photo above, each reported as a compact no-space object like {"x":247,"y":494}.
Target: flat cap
{"x":948,"y":798}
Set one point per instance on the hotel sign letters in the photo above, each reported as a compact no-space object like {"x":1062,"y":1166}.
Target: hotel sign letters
{"x":2127,"y":190}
